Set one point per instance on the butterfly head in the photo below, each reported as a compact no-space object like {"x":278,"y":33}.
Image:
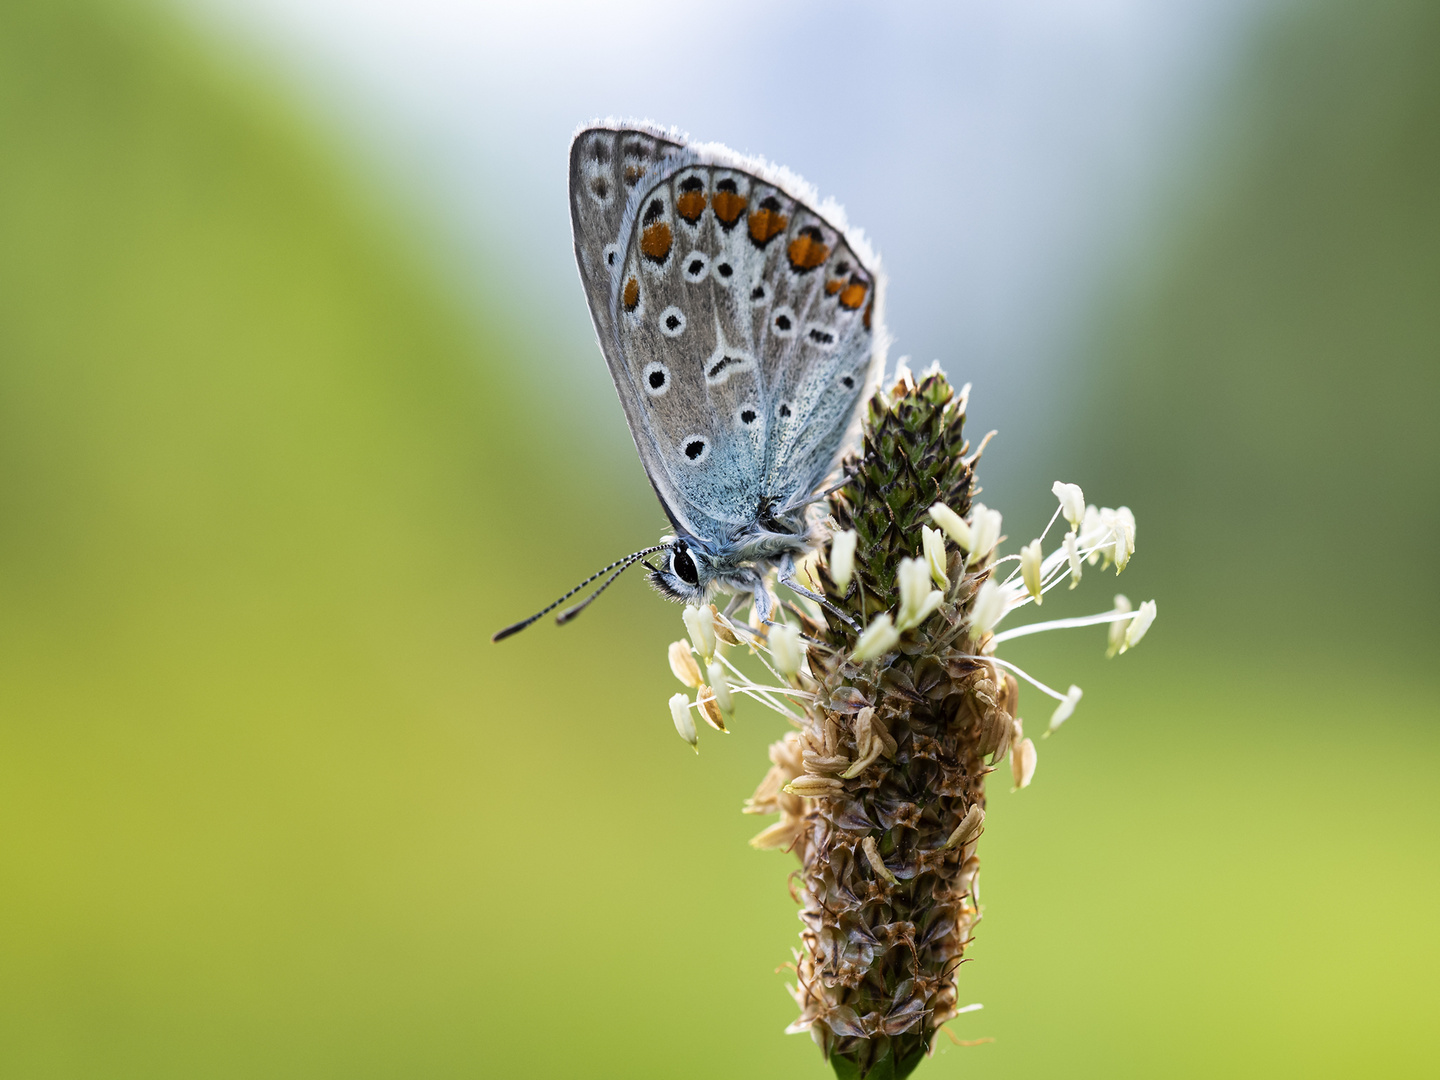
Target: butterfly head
{"x":683,"y":572}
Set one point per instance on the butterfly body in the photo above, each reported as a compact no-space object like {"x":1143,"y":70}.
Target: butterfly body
{"x":741,"y":324}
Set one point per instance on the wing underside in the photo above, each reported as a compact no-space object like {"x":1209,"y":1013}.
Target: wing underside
{"x":740,"y":325}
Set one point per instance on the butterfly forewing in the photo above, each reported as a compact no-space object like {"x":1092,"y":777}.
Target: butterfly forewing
{"x":738,"y":324}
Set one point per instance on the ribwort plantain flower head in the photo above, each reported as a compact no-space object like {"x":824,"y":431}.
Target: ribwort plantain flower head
{"x":901,"y":708}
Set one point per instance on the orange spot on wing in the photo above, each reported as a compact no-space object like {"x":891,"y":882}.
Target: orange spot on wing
{"x":633,"y":173}
{"x":728,"y":207}
{"x":767,"y":222}
{"x":631,"y":296}
{"x":853,"y":296}
{"x":690,"y":206}
{"x":808,"y":250}
{"x":833,"y":286}
{"x":868,"y":310}
{"x":655,"y":241}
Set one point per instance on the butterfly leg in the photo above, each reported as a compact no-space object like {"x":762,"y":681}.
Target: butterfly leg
{"x":787,"y":578}
{"x":763,"y":604}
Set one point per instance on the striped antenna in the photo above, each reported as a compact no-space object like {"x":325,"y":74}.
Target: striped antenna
{"x":615,"y":569}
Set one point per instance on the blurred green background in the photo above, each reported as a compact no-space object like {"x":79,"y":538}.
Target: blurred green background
{"x":273,"y":805}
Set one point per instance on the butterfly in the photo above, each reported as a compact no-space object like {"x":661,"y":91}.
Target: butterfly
{"x":741,"y":322}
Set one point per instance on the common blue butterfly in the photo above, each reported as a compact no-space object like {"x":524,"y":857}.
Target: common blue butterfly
{"x":741,"y":321}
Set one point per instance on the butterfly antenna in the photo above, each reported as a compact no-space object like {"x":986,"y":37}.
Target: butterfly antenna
{"x":569,"y":613}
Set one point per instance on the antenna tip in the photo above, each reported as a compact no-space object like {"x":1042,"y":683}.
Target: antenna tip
{"x":509,"y":630}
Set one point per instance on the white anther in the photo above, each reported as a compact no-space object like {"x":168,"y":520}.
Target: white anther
{"x":1072,"y":502}
{"x":684,"y":722}
{"x":956,"y":527}
{"x":878,"y":638}
{"x":842,"y":558}
{"x":1022,"y":762}
{"x":1030,"y":559}
{"x":683,"y":664}
{"x":932,"y":541}
{"x":1139,"y":625}
{"x":721,"y":686}
{"x":700,"y":623}
{"x":1092,"y":530}
{"x":984,"y":531}
{"x":1119,"y":626}
{"x":1125,"y":541}
{"x":915,"y":593}
{"x":1065,"y":708}
{"x":784,"y":642}
{"x":989,"y":609}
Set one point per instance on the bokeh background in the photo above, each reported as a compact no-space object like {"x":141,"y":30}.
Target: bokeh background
{"x":299,"y":402}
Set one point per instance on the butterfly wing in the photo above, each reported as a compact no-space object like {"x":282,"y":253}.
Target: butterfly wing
{"x":606,"y":165}
{"x":741,"y":326}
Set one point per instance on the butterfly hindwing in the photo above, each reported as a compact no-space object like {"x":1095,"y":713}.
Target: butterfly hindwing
{"x":739,"y":324}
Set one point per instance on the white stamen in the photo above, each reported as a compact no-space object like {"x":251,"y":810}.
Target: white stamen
{"x":984,"y":530}
{"x":933,"y":544}
{"x":1072,"y":502}
{"x":683,"y":664}
{"x":1125,"y":540}
{"x":700,"y":623}
{"x":1065,"y":624}
{"x":914,"y":577}
{"x":784,"y":642}
{"x":1027,"y":677}
{"x":990,"y":606}
{"x":917,"y":600}
{"x":879,"y":638}
{"x":1030,"y":558}
{"x":721,"y":686}
{"x":1072,"y":556}
{"x":763,"y":694}
{"x":1091,"y":530}
{"x":1022,"y":763}
{"x":1065,"y":708}
{"x":842,"y":558}
{"x":684,"y":722}
{"x":956,"y":527}
{"x":1123,"y":608}
{"x":1141,"y":623}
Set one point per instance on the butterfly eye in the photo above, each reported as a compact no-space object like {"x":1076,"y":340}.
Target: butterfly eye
{"x":682,"y":565}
